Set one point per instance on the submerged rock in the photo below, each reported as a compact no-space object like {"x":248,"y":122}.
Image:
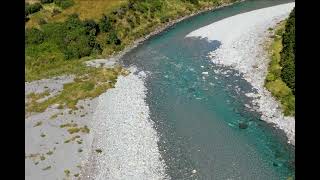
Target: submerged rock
{"x":190,"y":90}
{"x":275,"y":164}
{"x":243,"y":125}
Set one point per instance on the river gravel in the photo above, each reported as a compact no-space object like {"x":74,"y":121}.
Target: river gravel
{"x":242,"y":37}
{"x":125,"y":133}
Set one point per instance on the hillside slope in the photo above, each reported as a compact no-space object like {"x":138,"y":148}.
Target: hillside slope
{"x":62,"y":34}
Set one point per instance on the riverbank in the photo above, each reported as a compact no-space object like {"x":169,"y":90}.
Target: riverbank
{"x":242,"y":49}
{"x":161,"y":28}
{"x":274,"y":83}
{"x":125,"y":134}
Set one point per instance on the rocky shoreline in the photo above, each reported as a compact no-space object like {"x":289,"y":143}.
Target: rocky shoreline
{"x":242,"y":49}
{"x":125,"y":133}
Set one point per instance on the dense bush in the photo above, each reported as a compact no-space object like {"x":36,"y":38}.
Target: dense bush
{"x":194,"y":1}
{"x":92,"y":28}
{"x":288,"y":53}
{"x":105,"y":24}
{"x":142,"y":7}
{"x":63,"y":3}
{"x":79,"y":38}
{"x":113,"y":38}
{"x":32,"y":8}
{"x":46,"y":1}
{"x":156,"y":5}
{"x":34,"y":36}
{"x":74,"y":38}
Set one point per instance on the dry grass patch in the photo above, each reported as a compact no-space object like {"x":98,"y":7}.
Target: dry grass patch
{"x":87,"y":9}
{"x":90,"y":9}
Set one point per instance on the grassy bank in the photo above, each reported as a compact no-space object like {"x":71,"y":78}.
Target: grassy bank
{"x":274,"y":82}
{"x":59,"y":40}
{"x":95,"y":82}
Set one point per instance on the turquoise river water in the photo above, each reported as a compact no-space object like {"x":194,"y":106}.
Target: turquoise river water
{"x":198,"y":118}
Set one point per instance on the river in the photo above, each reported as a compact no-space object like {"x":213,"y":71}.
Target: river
{"x":197,"y":116}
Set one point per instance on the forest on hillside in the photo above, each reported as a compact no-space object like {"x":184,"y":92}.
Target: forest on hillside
{"x":288,"y":53}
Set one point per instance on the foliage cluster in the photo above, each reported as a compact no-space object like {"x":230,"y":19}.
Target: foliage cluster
{"x":288,"y":53}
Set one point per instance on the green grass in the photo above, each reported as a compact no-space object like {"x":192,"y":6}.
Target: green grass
{"x":90,"y":85}
{"x":33,"y":97}
{"x":273,"y":80}
{"x":54,"y":116}
{"x":73,"y":130}
{"x":83,"y":129}
{"x":68,"y":125}
{"x":72,"y":139}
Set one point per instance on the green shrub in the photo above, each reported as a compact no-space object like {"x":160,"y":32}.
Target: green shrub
{"x":113,"y":38}
{"x":105,"y":24}
{"x":46,"y":1}
{"x":156,"y":5}
{"x":142,"y":7}
{"x":34,"y":36}
{"x":196,"y":2}
{"x":131,"y":22}
{"x":164,"y":19}
{"x":270,"y":77}
{"x":64,"y":4}
{"x":32,"y":8}
{"x":92,"y":27}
